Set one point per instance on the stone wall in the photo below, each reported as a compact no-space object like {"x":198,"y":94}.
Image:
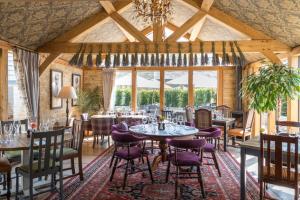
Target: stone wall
{"x":45,"y":111}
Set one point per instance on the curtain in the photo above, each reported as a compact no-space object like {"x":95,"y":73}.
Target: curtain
{"x":26,"y":65}
{"x":108,"y":82}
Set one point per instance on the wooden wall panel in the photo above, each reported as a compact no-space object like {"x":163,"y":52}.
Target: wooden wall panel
{"x":229,"y":88}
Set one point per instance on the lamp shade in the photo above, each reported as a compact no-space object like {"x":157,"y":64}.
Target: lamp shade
{"x":67,"y":92}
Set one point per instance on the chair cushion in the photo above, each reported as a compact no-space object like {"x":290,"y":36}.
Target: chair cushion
{"x":66,"y":152}
{"x":209,"y":147}
{"x":123,"y":126}
{"x":238,"y":132}
{"x":13,"y":155}
{"x":134,"y":152}
{"x":185,"y":158}
{"x":25,"y":168}
{"x":5,"y":166}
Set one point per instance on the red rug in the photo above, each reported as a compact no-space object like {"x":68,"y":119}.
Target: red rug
{"x":96,"y":184}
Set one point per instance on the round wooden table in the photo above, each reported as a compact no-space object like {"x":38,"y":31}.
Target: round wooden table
{"x":171,"y":131}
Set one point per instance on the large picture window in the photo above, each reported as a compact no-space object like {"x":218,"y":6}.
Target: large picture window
{"x":176,"y":89}
{"x":205,"y":88}
{"x":123,"y":88}
{"x":148,"y":89}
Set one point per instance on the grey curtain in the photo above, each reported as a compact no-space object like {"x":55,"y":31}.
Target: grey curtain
{"x":27,"y":70}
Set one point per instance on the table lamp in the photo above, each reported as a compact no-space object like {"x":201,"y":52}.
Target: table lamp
{"x":67,"y":92}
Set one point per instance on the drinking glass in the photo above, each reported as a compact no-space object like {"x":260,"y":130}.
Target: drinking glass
{"x":144,"y":121}
{"x":180,"y":120}
{"x":7,"y":131}
{"x":17,"y":128}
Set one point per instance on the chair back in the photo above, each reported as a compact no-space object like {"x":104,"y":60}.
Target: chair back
{"x":203,"y":118}
{"x":124,"y":138}
{"x":120,"y":127}
{"x":49,"y":146}
{"x":77,"y":135}
{"x":102,"y":126}
{"x":185,"y":145}
{"x":287,"y":124}
{"x":224,"y":109}
{"x":249,"y":121}
{"x":280,"y":155}
{"x":167,"y":114}
{"x":189,"y":114}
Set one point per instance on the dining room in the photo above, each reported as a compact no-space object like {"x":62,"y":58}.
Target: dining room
{"x":160,"y":99}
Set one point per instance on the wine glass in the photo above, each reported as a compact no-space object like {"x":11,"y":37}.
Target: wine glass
{"x":144,"y":121}
{"x":180,"y":119}
{"x":7,"y":132}
{"x":17,"y":127}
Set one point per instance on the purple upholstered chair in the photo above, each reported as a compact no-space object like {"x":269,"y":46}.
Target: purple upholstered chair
{"x":120,"y":127}
{"x":211,"y":135}
{"x":185,"y":153}
{"x":127,"y":150}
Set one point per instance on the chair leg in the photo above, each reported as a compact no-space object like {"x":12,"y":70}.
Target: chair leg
{"x":8,"y":185}
{"x":113,"y":170}
{"x":168,"y":171}
{"x":73,"y":165}
{"x":216,"y":162}
{"x":17,"y":185}
{"x":31,"y":189}
{"x":152,"y":146}
{"x":200,"y":180}
{"x":176,"y":181}
{"x":149,"y":168}
{"x":4,"y":182}
{"x":261,"y":191}
{"x":80,"y":167}
{"x":108,"y":140}
{"x":61,"y":186}
{"x":296,"y":193}
{"x":112,"y":159}
{"x":94,"y":142}
{"x":125,"y":175}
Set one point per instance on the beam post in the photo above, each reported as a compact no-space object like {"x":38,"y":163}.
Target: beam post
{"x":3,"y":84}
{"x":190,"y":88}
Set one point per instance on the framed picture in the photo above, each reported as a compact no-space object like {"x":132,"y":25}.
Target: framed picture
{"x":56,"y":83}
{"x":76,"y":83}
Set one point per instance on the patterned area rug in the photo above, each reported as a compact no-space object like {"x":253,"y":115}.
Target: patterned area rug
{"x":96,"y":184}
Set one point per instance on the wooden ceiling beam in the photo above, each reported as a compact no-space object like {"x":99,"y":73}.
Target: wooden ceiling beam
{"x":196,"y":30}
{"x":190,"y":23}
{"x":271,"y":56}
{"x":51,"y":58}
{"x":206,"y":4}
{"x":245,"y":45}
{"x":83,"y":27}
{"x":158,"y":32}
{"x":126,"y":26}
{"x":109,"y":8}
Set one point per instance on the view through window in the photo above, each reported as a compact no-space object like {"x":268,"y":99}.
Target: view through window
{"x":205,"y":88}
{"x":123,"y":88}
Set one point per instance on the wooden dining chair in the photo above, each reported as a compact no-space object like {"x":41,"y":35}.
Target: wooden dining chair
{"x":203,"y":118}
{"x":287,"y":124}
{"x":75,"y":150}
{"x":225,"y":110}
{"x":49,"y":161}
{"x":101,"y":127}
{"x":279,"y":164}
{"x":5,"y":169}
{"x":243,"y":132}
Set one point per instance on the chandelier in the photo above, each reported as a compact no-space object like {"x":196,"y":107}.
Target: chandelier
{"x":155,"y":11}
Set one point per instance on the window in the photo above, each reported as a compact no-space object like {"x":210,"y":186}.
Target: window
{"x":205,"y":88}
{"x":148,"y":87}
{"x":123,"y":88}
{"x":176,"y":89}
{"x":16,"y":107}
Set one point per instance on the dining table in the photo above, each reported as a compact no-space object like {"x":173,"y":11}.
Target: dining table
{"x":20,"y":142}
{"x":171,"y":130}
{"x":252,"y":147}
{"x":226,"y":123}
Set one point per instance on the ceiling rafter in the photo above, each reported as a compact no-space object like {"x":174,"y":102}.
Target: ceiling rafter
{"x":83,"y":27}
{"x":158,"y":32}
{"x":128,"y":27}
{"x":190,"y":23}
{"x":271,"y":56}
{"x":109,"y":8}
{"x":206,"y":5}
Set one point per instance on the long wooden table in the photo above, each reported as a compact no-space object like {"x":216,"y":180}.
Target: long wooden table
{"x":20,"y":142}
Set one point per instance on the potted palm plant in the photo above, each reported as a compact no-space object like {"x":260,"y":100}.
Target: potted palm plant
{"x":269,"y":85}
{"x":89,"y":101}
